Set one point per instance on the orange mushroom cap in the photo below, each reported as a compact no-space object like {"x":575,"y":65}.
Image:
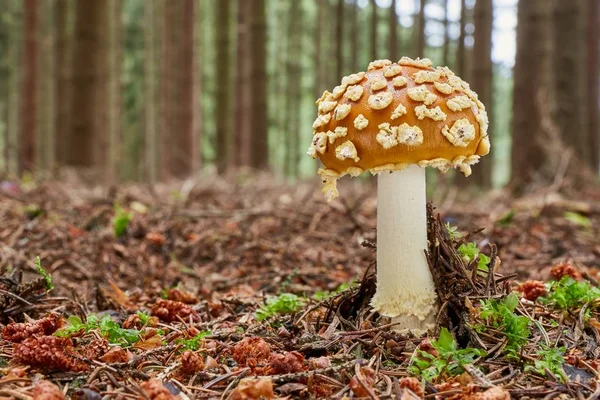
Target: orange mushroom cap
{"x":395,"y":115}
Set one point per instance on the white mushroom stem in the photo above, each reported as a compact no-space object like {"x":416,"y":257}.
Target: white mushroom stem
{"x":405,"y":288}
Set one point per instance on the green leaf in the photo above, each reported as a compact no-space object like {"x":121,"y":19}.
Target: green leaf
{"x":286,"y":303}
{"x":446,"y":341}
{"x":578,"y":219}
{"x":121,"y":221}
{"x":511,"y":301}
{"x":193,"y":344}
{"x":507,"y":218}
{"x":40,"y":270}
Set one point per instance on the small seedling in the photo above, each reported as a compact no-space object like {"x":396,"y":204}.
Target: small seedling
{"x":105,"y":325}
{"x":321,"y":295}
{"x":450,"y":360}
{"x":569,"y":294}
{"x":453,"y":231}
{"x":507,"y":218}
{"x":500,"y":315}
{"x":578,"y":219}
{"x":40,"y":270}
{"x":470,"y":252}
{"x":550,"y":360}
{"x":121,"y":221}
{"x":286,"y":303}
{"x":194,"y":343}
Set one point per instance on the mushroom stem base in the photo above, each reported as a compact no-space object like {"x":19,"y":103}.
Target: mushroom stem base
{"x":405,"y":288}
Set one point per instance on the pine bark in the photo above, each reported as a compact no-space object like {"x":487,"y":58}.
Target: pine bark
{"x":258,"y":86}
{"x":339,"y":38}
{"x":243,"y":99}
{"x":150,"y":90}
{"x":86,"y":145}
{"x":446,"y":48}
{"x":593,"y":79}
{"x":570,"y":76}
{"x":15,"y":45}
{"x":374,"y":21}
{"x":28,"y":113}
{"x":482,"y":82}
{"x":45,"y":144}
{"x":354,"y":40}
{"x":393,"y":21}
{"x":113,"y":92}
{"x":421,"y":32}
{"x":293,"y":91}
{"x":530,"y":106}
{"x":460,"y":51}
{"x":222,"y":93}
{"x":63,"y":90}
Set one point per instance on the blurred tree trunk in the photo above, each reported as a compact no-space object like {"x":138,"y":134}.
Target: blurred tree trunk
{"x":374,"y":22}
{"x":339,"y":39}
{"x":113,"y":123}
{"x":222,"y":99}
{"x":15,"y":44}
{"x":63,"y":65}
{"x":393,"y":21}
{"x":185,"y":148}
{"x":421,"y":30}
{"x":446,"y":48}
{"x":243,"y":100}
{"x":27,"y":148}
{"x":320,"y":73}
{"x":150,"y":89}
{"x":354,"y":40}
{"x":45,"y":95}
{"x":482,"y":82}
{"x":294,"y":85}
{"x":531,"y":81}
{"x":570,"y":77}
{"x":85,"y":146}
{"x":593,"y":79}
{"x":258,"y":86}
{"x":460,"y":52}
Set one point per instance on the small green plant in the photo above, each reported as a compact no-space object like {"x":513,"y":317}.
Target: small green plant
{"x":453,"y":231}
{"x":321,"y":295}
{"x":470,"y":252}
{"x":569,"y":294}
{"x":507,"y":218}
{"x":578,"y":219}
{"x":450,"y":360}
{"x":550,"y":359}
{"x":500,"y":315}
{"x":286,"y":303}
{"x":105,"y":325}
{"x":121,"y":221}
{"x":40,"y":270}
{"x":193,"y":344}
{"x":145,"y":318}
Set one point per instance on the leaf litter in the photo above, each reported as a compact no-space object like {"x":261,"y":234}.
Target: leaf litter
{"x":245,"y":292}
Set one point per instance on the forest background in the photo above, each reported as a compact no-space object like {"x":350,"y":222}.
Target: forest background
{"x":156,"y":90}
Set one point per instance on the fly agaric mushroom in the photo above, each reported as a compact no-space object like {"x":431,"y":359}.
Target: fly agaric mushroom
{"x":394,"y":120}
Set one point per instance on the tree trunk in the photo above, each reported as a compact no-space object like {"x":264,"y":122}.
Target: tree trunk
{"x":114,"y":60}
{"x":593,"y":79}
{"x":258,"y":86}
{"x":63,"y":90}
{"x":150,"y":86}
{"x":446,"y":48}
{"x":294,"y":80}
{"x":87,"y":145}
{"x":530,"y":106}
{"x":354,"y":31}
{"x":374,"y":30}
{"x":570,"y":77}
{"x":339,"y":38}
{"x":460,"y":52}
{"x":243,"y":100}
{"x":482,"y":82}
{"x":45,"y":144}
{"x":222,"y":99}
{"x":27,"y":148}
{"x":421,"y":33}
{"x":393,"y":32}
{"x":15,"y":44}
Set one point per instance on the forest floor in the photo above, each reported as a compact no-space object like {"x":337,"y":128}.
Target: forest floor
{"x":253,"y":290}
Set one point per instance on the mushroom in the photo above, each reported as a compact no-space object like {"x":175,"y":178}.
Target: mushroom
{"x":397,"y":119}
